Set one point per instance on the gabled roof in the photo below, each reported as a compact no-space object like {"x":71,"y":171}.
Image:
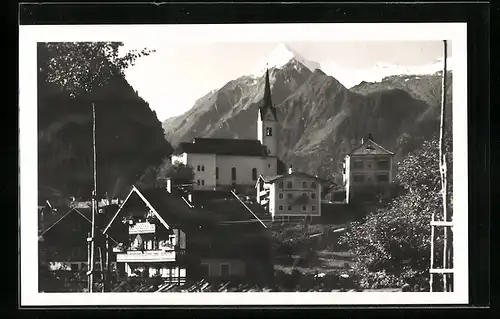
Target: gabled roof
{"x":267,"y":103}
{"x":86,"y":215}
{"x":221,"y":146}
{"x":369,"y":147}
{"x":169,"y":209}
{"x":275,"y":178}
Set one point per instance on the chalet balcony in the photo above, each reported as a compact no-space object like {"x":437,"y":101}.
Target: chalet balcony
{"x":146,"y":256}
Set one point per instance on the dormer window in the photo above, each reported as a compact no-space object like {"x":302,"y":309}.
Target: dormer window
{"x":269,"y":131}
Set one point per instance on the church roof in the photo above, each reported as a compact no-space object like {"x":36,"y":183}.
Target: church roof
{"x":221,"y":146}
{"x":267,"y":102}
{"x":369,"y":147}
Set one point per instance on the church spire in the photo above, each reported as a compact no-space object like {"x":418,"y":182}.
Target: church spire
{"x":267,"y":103}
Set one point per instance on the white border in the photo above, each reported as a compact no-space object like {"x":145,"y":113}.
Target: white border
{"x":30,"y":35}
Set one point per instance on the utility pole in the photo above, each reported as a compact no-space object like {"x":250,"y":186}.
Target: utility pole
{"x":446,"y":270}
{"x":91,"y":240}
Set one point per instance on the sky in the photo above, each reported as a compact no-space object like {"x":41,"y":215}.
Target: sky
{"x":178,"y":73}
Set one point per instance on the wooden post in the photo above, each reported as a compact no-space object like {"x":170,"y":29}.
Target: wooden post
{"x":107,"y":280}
{"x":89,"y":249}
{"x":442,"y":157}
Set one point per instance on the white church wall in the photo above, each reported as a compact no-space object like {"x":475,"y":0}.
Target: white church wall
{"x":204,"y":170}
{"x":243,"y":165}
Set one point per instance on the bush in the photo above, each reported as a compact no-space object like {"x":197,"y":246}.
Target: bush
{"x":392,"y":245}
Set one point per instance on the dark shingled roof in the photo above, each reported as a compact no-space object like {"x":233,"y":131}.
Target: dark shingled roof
{"x":369,"y":147}
{"x":221,"y":146}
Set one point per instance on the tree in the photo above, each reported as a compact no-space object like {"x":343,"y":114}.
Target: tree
{"x":392,"y":245}
{"x":156,"y":176}
{"x":82,"y":67}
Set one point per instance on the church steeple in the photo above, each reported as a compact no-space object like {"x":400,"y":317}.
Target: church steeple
{"x":267,"y":108}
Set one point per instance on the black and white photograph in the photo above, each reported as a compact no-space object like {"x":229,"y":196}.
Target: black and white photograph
{"x":301,"y":163}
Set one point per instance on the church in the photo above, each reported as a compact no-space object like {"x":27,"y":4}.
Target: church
{"x":229,"y":163}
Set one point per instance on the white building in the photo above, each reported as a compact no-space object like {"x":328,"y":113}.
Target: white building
{"x":222,"y":163}
{"x":366,"y":168}
{"x":295,"y":194}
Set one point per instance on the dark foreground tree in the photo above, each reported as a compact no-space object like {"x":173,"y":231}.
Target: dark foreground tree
{"x":72,"y":76}
{"x":392,"y":245}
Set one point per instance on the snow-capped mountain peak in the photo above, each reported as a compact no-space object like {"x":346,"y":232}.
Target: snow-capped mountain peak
{"x":282,"y":55}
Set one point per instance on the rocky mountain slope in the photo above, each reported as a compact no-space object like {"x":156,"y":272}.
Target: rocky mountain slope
{"x":319,"y":116}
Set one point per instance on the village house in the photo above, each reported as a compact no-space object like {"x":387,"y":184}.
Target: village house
{"x":228,"y":163}
{"x":291,"y":196}
{"x":63,"y":245}
{"x":367,"y":167}
{"x":177,"y":240}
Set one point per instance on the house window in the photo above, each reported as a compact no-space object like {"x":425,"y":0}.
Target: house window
{"x":304,"y":195}
{"x":281,"y":185}
{"x":357,"y":164}
{"x":280,"y":207}
{"x":198,"y":182}
{"x":313,"y":195}
{"x":198,"y":168}
{"x":304,"y":208}
{"x":205,"y":270}
{"x":233,"y":173}
{"x":216,"y":173}
{"x":383,"y":177}
{"x":280,"y":195}
{"x":382,"y":164}
{"x":304,"y":184}
{"x":269,"y":165}
{"x":313,"y":185}
{"x":289,"y":185}
{"x":203,"y":168}
{"x":202,"y":182}
{"x":289,"y":195}
{"x":224,"y":270}
{"x":359,"y":178}
{"x":313,"y":208}
{"x":254,"y":174}
{"x":289,"y":207}
{"x":269,"y":131}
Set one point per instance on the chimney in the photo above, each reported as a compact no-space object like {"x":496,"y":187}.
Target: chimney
{"x":169,"y":185}
{"x":290,"y":170}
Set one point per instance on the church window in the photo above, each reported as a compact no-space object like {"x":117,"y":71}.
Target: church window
{"x":203,"y":168}
{"x":269,"y":131}
{"x":313,"y":185}
{"x":254,"y":174}
{"x":313,"y":208}
{"x":281,"y":207}
{"x":304,"y":184}
{"x":313,"y":195}
{"x":233,"y":173}
{"x":304,"y":208}
{"x":281,"y":195}
{"x":289,"y":207}
{"x":281,"y":185}
{"x":289,"y":185}
{"x":216,"y":173}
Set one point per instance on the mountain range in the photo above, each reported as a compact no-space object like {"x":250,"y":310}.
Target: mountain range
{"x":319,"y":116}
